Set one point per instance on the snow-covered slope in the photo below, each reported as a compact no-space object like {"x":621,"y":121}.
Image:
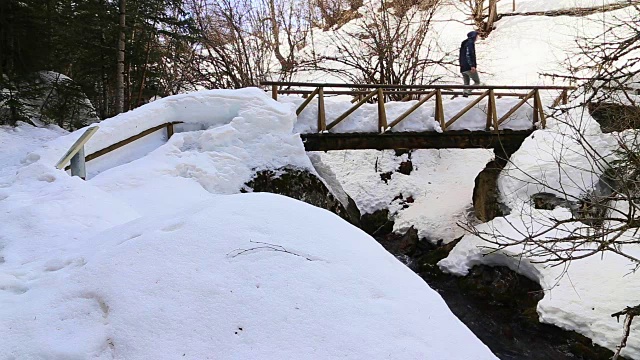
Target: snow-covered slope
{"x":237,"y":277}
{"x":149,"y":260}
{"x":582,"y":295}
{"x":517,"y":52}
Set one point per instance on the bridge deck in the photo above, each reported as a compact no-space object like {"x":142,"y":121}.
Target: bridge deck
{"x":464,"y":139}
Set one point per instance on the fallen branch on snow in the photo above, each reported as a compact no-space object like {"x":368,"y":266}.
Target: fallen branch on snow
{"x":265,"y":246}
{"x":629,"y":313}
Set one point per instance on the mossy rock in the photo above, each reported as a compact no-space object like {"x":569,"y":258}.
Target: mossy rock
{"x":304,"y":186}
{"x":377,"y":223}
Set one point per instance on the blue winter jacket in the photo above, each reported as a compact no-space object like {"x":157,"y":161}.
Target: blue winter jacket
{"x":467,"y":56}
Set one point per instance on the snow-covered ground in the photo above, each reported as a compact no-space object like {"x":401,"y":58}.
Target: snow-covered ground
{"x":506,"y":6}
{"x":145,"y":259}
{"x":518,"y":51}
{"x":583,"y":296}
{"x":151,"y":258}
{"x":441,"y":186}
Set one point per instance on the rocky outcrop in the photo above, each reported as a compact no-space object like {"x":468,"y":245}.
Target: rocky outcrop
{"x":496,"y":303}
{"x":377,"y":223}
{"x":485,"y":192}
{"x":615,"y":117}
{"x":304,"y":186}
{"x":548,"y":201}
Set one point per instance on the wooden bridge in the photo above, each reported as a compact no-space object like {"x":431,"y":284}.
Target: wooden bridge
{"x":492,"y":136}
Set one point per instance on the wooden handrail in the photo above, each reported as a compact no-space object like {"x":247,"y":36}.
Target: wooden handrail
{"x":396,"y":91}
{"x":77,"y":146}
{"x":352,"y":109}
{"x":426,"y":87}
{"x":131,"y":139}
{"x":515,"y":108}
{"x":466,"y":108}
{"x":412,"y":109}
{"x":356,"y":93}
{"x":307,"y":101}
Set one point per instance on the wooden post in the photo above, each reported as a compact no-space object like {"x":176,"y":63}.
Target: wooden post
{"x":78,"y":167}
{"x":490,"y":110}
{"x":322,"y":120}
{"x":440,"y":110}
{"x":169,"y":130}
{"x":536,"y":106}
{"x":274,"y":92}
{"x":543,"y":118}
{"x":76,"y":154}
{"x":382,"y":114}
{"x":514,"y":5}
{"x":494,"y":112}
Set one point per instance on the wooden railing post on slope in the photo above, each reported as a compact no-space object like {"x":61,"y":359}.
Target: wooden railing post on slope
{"x":75,"y":154}
{"x":382,"y":114}
{"x":536,"y":106}
{"x":322,"y":117}
{"x":170,"y":130}
{"x":540,"y":110}
{"x":562,"y":98}
{"x":307,"y":101}
{"x":274,"y":92}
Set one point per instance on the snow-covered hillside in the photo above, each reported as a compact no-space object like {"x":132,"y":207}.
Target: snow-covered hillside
{"x":150,"y":259}
{"x":157,"y":256}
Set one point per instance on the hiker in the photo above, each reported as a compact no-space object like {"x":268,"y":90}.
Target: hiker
{"x":468,"y":62}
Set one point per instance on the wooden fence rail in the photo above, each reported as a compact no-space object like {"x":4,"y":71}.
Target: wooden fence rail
{"x":170,"y":130}
{"x":368,"y":93}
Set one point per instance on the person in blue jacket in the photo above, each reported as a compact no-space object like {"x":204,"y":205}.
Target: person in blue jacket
{"x":468,"y":61}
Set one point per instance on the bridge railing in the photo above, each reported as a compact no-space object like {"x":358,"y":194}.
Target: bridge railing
{"x":373,"y":93}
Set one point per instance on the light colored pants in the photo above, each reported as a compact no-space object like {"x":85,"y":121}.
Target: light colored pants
{"x":467,"y":76}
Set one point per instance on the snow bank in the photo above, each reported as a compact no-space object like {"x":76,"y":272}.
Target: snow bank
{"x":549,"y":5}
{"x":583,"y":296}
{"x":534,"y":168}
{"x":146,"y":259}
{"x":245,"y":132}
{"x":440,"y":185}
{"x":181,"y":285}
{"x":199,"y":110}
{"x":17,"y":142}
{"x":582,"y":299}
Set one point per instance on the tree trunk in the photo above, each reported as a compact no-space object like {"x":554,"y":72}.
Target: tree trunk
{"x":120,"y":68}
{"x":493,"y":16}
